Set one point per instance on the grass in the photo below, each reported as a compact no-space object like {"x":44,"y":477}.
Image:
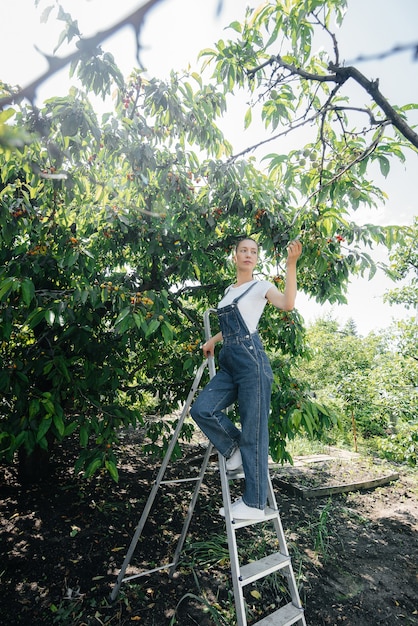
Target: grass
{"x":305,"y":446}
{"x":321,"y":542}
{"x":302,"y":446}
{"x":211,"y":552}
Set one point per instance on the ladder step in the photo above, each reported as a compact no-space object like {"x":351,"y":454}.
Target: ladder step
{"x":285,"y":616}
{"x":234,"y":474}
{"x":265,"y":566}
{"x":147,"y":572}
{"x":179,"y":480}
{"x":270,"y":514}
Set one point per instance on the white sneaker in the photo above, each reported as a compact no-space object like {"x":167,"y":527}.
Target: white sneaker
{"x":235,"y":461}
{"x":233,"y":505}
{"x":240,"y":510}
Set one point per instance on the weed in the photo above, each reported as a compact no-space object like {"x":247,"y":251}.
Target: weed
{"x":355,"y":516}
{"x":67,"y":612}
{"x":215,"y":614}
{"x":300,"y":446}
{"x":209,"y":552}
{"x":321,"y":539}
{"x":213,"y":609}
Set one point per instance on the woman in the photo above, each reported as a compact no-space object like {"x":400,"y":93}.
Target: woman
{"x":244,"y":375}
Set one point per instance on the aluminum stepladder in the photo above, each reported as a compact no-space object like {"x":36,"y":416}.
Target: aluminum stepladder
{"x":242,"y":575}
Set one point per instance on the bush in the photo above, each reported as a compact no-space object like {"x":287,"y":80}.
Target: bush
{"x":402,"y":446}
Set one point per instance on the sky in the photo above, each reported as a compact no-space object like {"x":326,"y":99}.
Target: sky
{"x":172,"y":36}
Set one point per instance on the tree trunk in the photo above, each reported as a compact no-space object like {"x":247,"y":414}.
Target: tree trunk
{"x":33,"y":467}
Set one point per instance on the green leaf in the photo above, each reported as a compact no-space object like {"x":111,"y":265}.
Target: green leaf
{"x":70,"y":124}
{"x":34,"y":406}
{"x":138,"y":319}
{"x":45,"y":14}
{"x":6,"y":114}
{"x":6,"y":287}
{"x":21,"y":439}
{"x":296,"y":418}
{"x":236,"y":26}
{"x":84,"y":436}
{"x":61,"y":365}
{"x":308,"y":421}
{"x":28,"y":291}
{"x":70,"y":428}
{"x":122,"y":315}
{"x":43,"y":443}
{"x":248,"y":118}
{"x":59,"y":424}
{"x":152,"y":327}
{"x":50,"y":317}
{"x":113,"y":470}
{"x":384,"y":165}
{"x":37,"y":316}
{"x":92,"y":467}
{"x":43,"y":428}
{"x":167,"y":332}
{"x":48,"y":405}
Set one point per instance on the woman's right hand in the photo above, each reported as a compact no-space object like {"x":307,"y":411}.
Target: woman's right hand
{"x":209,"y":348}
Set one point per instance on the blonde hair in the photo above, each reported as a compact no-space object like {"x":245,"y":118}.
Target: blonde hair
{"x":241,"y":239}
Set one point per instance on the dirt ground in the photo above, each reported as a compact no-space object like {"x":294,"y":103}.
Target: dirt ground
{"x":354,"y":554}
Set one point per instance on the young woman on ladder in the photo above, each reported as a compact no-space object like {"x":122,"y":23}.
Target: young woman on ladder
{"x":244,"y":375}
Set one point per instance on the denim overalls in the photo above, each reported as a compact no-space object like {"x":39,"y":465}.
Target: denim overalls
{"x":244,"y":375}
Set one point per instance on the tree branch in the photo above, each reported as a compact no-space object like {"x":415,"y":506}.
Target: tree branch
{"x":372,"y":88}
{"x":293,"y":69}
{"x":283,"y":133}
{"x":339,"y":76}
{"x":367,"y":152}
{"x":85,"y":46}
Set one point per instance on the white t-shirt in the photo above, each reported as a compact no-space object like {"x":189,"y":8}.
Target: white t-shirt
{"x":251,"y":306}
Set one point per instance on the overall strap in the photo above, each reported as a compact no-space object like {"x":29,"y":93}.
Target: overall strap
{"x":245,"y":292}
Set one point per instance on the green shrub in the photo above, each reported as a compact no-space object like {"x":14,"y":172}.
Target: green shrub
{"x":401,"y":447}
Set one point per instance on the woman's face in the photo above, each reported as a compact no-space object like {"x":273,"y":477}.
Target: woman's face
{"x":246,"y":255}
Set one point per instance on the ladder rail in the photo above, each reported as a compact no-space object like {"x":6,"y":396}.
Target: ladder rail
{"x":157,"y":482}
{"x":277,"y":522}
{"x":190,"y":511}
{"x":239,"y":576}
{"x":232,"y":545}
{"x":212,"y":371}
{"x":208,"y":335}
{"x":210,"y":363}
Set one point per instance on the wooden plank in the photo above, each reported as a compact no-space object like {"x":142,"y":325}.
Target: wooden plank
{"x":305,"y":492}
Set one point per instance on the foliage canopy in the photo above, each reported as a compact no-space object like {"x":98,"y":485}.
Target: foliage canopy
{"x":116,"y":232}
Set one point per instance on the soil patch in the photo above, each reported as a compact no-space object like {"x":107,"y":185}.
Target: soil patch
{"x":354,"y":554}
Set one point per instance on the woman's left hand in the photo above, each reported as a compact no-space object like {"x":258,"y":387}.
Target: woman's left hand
{"x":294,"y":250}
